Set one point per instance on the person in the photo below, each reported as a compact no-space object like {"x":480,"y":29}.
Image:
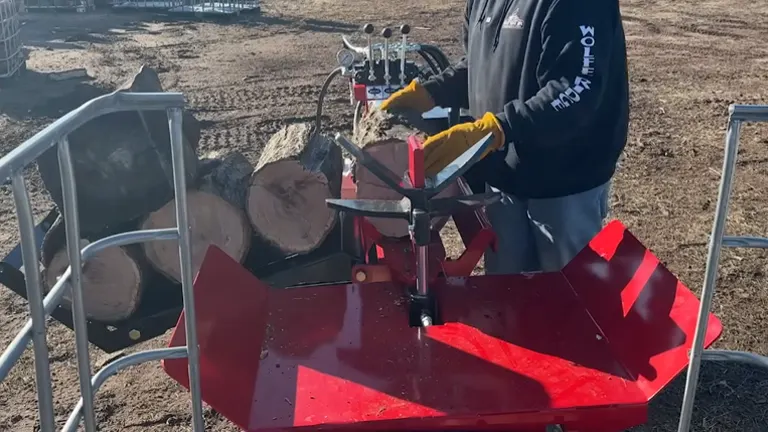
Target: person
{"x":549,"y":79}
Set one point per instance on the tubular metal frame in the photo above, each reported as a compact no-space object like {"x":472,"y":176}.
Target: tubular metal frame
{"x":737,"y":115}
{"x":12,"y":166}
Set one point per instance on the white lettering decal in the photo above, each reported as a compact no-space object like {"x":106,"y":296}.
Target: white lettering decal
{"x":587,"y":30}
{"x":582,"y":82}
{"x":571,"y":95}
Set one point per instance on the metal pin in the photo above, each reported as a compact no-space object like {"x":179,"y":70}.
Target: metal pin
{"x":421,"y":266}
{"x":426,"y":320}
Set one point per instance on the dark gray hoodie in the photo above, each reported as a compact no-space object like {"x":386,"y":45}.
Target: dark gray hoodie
{"x":555,"y":74}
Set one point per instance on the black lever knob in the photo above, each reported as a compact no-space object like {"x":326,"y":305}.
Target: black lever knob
{"x":368,"y":28}
{"x":405,"y":29}
{"x":386,"y":33}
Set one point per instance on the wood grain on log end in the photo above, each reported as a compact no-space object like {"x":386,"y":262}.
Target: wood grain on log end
{"x":294,"y":176}
{"x":212,"y":221}
{"x":112,"y":282}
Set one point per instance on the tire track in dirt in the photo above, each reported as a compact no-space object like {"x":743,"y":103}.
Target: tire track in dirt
{"x":249,"y":135}
{"x":263,"y":109}
{"x":236,"y":98}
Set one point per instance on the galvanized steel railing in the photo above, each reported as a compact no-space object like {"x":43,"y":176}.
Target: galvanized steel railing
{"x":738,"y":114}
{"x":12,"y":166}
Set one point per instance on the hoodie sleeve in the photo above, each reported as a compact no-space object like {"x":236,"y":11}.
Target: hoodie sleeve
{"x":576,"y":51}
{"x":451,"y":87}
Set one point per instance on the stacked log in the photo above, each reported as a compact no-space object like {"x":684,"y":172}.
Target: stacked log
{"x":123,"y":171}
{"x":278,"y":203}
{"x":113,"y":280}
{"x":122,"y":162}
{"x":296,"y":173}
{"x":216,"y":217}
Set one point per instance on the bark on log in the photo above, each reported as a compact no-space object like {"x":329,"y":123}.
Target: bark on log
{"x":226,"y":177}
{"x":385,"y":138}
{"x":122,"y":162}
{"x":296,"y":173}
{"x":113,"y":280}
{"x":212,"y":221}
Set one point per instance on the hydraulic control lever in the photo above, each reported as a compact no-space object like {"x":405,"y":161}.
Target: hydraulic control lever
{"x":386,"y":34}
{"x":418,"y":205}
{"x":404,"y":30}
{"x":368,"y":29}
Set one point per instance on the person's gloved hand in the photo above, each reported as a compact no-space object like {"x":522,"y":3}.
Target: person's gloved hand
{"x":412,"y":97}
{"x":442,"y":149}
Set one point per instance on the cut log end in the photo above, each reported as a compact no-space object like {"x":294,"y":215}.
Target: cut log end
{"x":296,"y":173}
{"x":286,"y":205}
{"x":112,"y":283}
{"x":212,"y":221}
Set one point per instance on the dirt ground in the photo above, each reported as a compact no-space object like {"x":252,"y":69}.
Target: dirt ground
{"x":689,"y":60}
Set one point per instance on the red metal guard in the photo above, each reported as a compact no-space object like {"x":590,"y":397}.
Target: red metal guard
{"x":586,"y":347}
{"x":416,"y":162}
{"x":360,"y":93}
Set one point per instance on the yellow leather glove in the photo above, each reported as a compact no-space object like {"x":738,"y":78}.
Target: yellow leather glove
{"x":414,"y":97}
{"x":442,"y":149}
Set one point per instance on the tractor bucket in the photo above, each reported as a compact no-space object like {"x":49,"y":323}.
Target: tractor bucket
{"x":585,"y":348}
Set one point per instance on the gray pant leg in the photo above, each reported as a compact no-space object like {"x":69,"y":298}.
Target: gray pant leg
{"x":544,"y":234}
{"x":562,"y":227}
{"x":515,"y":247}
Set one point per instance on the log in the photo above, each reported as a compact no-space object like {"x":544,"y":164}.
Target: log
{"x":122,"y":162}
{"x":296,"y":173}
{"x":113,"y":280}
{"x":384,"y":137}
{"x":226,"y":177}
{"x":216,"y":217}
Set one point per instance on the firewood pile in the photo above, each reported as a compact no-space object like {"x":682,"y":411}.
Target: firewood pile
{"x":124,"y":181}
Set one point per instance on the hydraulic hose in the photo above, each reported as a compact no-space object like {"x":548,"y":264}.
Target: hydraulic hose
{"x":442,"y":63}
{"x":438,"y":55}
{"x":356,"y":118}
{"x":430,"y":62}
{"x":434,"y":57}
{"x":318,"y":117}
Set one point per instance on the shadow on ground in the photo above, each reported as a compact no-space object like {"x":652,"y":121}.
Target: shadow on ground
{"x":50,"y":31}
{"x":46,"y":31}
{"x":730,"y":397}
{"x":33,"y":94}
